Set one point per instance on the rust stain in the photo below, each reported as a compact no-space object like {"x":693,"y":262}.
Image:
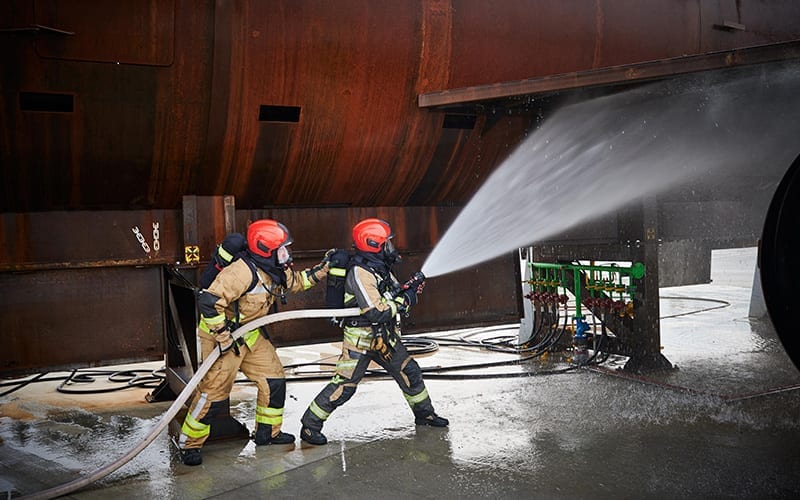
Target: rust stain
{"x":599,"y":30}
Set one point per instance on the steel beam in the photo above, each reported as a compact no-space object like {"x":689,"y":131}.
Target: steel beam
{"x":626,"y":73}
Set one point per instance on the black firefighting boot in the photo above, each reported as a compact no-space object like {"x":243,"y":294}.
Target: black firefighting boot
{"x":433,"y":420}
{"x":263,"y":435}
{"x":311,"y":436}
{"x":191,"y":456}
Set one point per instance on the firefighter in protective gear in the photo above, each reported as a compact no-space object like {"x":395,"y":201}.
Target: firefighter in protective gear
{"x":241,"y":292}
{"x":374,"y":335}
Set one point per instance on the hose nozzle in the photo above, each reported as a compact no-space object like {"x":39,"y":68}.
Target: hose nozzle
{"x":414,"y":281}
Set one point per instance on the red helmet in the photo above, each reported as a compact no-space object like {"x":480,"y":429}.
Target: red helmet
{"x":369,"y":235}
{"x":266,"y":235}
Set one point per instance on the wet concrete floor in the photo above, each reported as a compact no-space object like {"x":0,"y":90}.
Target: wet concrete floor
{"x":724,"y":424}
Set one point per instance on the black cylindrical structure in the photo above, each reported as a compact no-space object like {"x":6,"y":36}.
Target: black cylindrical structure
{"x":780,"y":268}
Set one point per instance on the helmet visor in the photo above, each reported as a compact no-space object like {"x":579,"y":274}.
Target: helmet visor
{"x":388,"y":247}
{"x":390,"y":255}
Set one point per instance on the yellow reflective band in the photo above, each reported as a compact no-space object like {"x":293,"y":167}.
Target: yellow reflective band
{"x":348,"y":297}
{"x":306,"y":282}
{"x":267,"y":415}
{"x":226,"y":255}
{"x":208,"y":324}
{"x":319,"y":412}
{"x":207,"y":328}
{"x":359,"y":337}
{"x":219,"y":318}
{"x":413,"y":400}
{"x":337,"y":271}
{"x":346,"y":364}
{"x":350,"y":338}
{"x":251,"y":337}
{"x":193,"y":428}
{"x":358,"y":331}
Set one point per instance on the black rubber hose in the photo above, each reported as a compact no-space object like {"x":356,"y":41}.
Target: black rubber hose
{"x":23,"y":383}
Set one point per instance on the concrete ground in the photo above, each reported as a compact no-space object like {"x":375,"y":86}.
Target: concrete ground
{"x":724,"y":424}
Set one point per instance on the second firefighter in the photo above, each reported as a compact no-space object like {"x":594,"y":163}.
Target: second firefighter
{"x":374,"y":335}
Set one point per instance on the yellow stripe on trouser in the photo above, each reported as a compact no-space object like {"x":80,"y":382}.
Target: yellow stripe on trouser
{"x":361,"y":338}
{"x":319,"y":412}
{"x":346,"y":365}
{"x":344,"y":370}
{"x":419,"y":398}
{"x":271,"y":416}
{"x":194,"y":429}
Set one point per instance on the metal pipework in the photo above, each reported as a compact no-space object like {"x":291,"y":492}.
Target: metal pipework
{"x":603,"y":279}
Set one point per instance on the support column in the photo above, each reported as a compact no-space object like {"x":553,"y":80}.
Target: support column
{"x":638,"y":228}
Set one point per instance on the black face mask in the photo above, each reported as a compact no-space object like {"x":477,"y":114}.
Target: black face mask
{"x":390,"y":254}
{"x":270,"y":266}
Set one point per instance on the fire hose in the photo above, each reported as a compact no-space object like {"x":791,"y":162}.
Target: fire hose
{"x":102,"y":472}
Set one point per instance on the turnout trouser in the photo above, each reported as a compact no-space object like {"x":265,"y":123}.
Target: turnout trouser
{"x":260,"y":363}
{"x":350,"y":369}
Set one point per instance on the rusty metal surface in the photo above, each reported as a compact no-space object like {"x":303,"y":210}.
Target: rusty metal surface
{"x":132,"y":31}
{"x":638,"y":72}
{"x":535,"y":38}
{"x":206,"y":221}
{"x":80,"y":239}
{"x":352,"y":69}
{"x":69,"y":318}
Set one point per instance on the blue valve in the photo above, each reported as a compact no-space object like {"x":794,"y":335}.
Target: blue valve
{"x":581,"y":327}
{"x":580,"y":353}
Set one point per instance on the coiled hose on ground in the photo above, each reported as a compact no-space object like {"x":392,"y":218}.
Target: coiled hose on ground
{"x":183,"y":396}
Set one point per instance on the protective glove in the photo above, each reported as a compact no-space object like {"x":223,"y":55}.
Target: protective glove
{"x":405,"y":300}
{"x":319,"y":271}
{"x":410,"y":296}
{"x":327,"y":256}
{"x":378,"y":344}
{"x":224,"y":340}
